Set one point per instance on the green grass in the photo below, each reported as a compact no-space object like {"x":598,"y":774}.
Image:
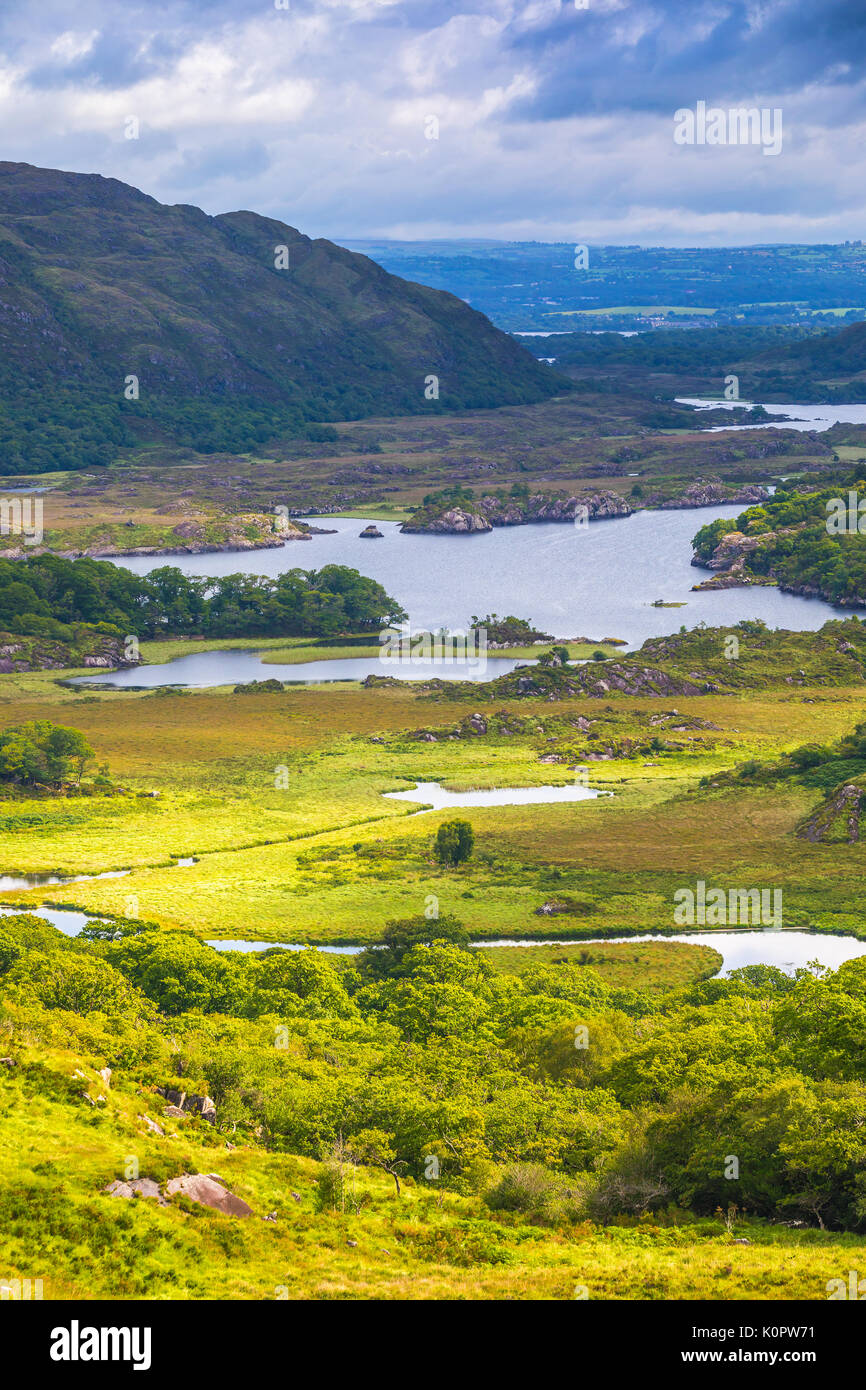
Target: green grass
{"x":283,"y":864}
{"x":432,"y":1242}
{"x":647,"y":965}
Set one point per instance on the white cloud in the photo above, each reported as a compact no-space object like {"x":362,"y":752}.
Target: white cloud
{"x":70,"y":46}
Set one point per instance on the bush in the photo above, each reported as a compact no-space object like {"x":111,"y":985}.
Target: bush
{"x":530,"y":1188}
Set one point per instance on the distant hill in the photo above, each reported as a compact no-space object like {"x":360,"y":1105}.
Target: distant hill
{"x":843,"y":352}
{"x":99,"y":282}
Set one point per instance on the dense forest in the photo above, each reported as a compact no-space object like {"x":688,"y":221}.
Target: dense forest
{"x":47,"y":596}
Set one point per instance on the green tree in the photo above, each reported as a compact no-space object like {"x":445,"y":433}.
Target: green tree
{"x":455,"y":840}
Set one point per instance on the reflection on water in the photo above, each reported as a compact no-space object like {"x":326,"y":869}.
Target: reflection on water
{"x":788,"y":950}
{"x":803,"y":417}
{"x":595,"y":581}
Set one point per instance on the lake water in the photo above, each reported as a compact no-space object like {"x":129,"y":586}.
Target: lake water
{"x":804,"y":417}
{"x":438,"y":798}
{"x":203,"y":669}
{"x":596,"y":581}
{"x":787,"y":950}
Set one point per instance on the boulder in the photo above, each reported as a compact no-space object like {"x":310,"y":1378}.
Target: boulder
{"x":145,"y":1187}
{"x":208,"y":1192}
{"x":149,"y":1124}
{"x":189,"y":1104}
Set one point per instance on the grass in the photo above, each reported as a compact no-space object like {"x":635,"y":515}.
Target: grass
{"x":431,"y":1242}
{"x":330,"y":859}
{"x":648,"y":965}
{"x":294,"y":650}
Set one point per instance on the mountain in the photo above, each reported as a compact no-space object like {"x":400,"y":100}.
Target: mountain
{"x":100,"y":282}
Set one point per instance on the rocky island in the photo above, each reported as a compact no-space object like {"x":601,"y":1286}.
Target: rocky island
{"x":458,"y":512}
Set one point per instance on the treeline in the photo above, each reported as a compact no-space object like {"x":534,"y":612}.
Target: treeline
{"x":622,"y":1102}
{"x":48,"y":596}
{"x":44,"y":427}
{"x":691,"y":351}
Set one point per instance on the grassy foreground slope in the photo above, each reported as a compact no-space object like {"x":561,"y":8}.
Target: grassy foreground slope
{"x":427,"y":1244}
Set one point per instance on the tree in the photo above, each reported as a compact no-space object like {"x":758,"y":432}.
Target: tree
{"x":389,"y":960}
{"x":455,"y":840}
{"x":43,"y":753}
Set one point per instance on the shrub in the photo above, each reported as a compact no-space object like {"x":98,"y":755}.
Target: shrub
{"x":531,"y":1189}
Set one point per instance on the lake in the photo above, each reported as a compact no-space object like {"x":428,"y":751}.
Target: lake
{"x":438,"y":798}
{"x":204,"y":669}
{"x":804,"y":417}
{"x":596,"y":581}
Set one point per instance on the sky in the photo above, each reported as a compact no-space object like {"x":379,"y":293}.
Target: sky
{"x":548,"y":120}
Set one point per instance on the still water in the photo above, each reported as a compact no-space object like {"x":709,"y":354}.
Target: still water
{"x":438,"y":798}
{"x":803,"y":417}
{"x":595,"y":581}
{"x":788,"y":950}
{"x":205,"y":669}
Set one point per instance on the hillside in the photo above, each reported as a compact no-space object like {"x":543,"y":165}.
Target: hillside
{"x":101,"y":282}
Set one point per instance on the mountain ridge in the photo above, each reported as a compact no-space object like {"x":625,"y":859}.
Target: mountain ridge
{"x":100,"y":282}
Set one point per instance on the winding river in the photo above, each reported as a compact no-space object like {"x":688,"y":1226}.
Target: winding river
{"x":788,"y":950}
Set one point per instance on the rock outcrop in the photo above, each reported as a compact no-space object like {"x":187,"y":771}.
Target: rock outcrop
{"x":453,"y":521}
{"x":210,"y":1191}
{"x":837,"y":818}
{"x":714,"y":494}
{"x":190,"y":1104}
{"x":492,"y":510}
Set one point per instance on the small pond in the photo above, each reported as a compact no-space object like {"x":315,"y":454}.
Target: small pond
{"x":438,"y":798}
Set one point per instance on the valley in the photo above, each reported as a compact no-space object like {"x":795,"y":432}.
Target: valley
{"x":398,"y":946}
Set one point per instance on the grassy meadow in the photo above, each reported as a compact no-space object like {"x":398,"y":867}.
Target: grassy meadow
{"x":428,"y":1243}
{"x":280,"y":797}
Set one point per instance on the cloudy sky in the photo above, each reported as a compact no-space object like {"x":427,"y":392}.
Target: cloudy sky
{"x":554,"y":122}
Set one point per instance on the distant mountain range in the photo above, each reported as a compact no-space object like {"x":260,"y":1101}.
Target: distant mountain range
{"x":237,"y":328}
